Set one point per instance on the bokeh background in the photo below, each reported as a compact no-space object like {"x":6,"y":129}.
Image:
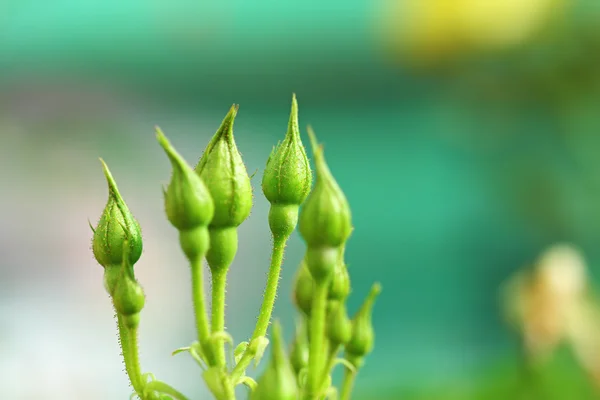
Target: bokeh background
{"x":465,"y":134}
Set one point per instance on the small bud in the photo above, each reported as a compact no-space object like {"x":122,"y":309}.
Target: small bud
{"x":325,"y":219}
{"x":187,"y":200}
{"x":116,"y":226}
{"x":363,"y":337}
{"x":127,"y":294}
{"x":322,"y":262}
{"x":300,"y":351}
{"x":287,"y":178}
{"x":339,"y":326}
{"x":278,"y":382}
{"x":339,"y":288}
{"x":303,"y":289}
{"x":224,"y":173}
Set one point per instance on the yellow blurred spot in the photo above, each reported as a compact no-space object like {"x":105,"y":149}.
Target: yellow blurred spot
{"x":433,"y":30}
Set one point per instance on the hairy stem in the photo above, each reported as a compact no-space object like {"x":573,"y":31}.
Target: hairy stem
{"x":317,"y":340}
{"x":266,"y":309}
{"x":200,"y":309}
{"x":219,"y":281}
{"x":129,"y":345}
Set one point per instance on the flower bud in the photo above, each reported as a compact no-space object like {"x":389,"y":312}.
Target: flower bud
{"x":362,"y":340}
{"x":339,"y":288}
{"x":287,"y":178}
{"x":127,"y":295}
{"x":224,"y":173}
{"x":278,"y":382}
{"x":299,"y":352}
{"x":339,"y":326}
{"x":116,"y":226}
{"x":325,"y":219}
{"x":322,"y":262}
{"x":303,"y":289}
{"x":187,"y":200}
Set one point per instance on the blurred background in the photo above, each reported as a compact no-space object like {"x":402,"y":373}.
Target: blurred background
{"x":465,"y":134}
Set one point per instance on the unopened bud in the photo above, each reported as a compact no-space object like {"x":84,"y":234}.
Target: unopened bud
{"x":362,"y":340}
{"x":339,"y":326}
{"x":287,"y":178}
{"x":187,"y":200}
{"x":225,"y":175}
{"x":325,"y":219}
{"x":116,"y":227}
{"x":303,"y":289}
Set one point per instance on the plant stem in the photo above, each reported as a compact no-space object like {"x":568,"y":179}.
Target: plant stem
{"x":164,"y":388}
{"x":317,"y":339}
{"x":200,"y":309}
{"x":329,"y":364}
{"x":219,"y":281}
{"x":129,"y":346}
{"x":347,"y":384}
{"x":266,"y":309}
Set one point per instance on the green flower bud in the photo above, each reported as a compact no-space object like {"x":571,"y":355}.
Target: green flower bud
{"x":187,"y":200}
{"x":300,"y":351}
{"x":303,"y":289}
{"x":339,"y":326}
{"x":339,"y":287}
{"x":128,"y":296}
{"x":283,"y":219}
{"x":287,"y":178}
{"x":325,"y":219}
{"x":363,"y":337}
{"x":322,"y":262}
{"x":116,"y":226}
{"x":224,"y":173}
{"x":278,"y":382}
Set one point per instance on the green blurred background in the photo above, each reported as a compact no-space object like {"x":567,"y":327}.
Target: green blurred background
{"x":464,"y":133}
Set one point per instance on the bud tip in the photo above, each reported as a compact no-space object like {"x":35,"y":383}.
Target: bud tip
{"x":112,"y":185}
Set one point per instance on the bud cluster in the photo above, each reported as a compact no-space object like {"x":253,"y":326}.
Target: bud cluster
{"x":206,"y":205}
{"x":325,"y":225}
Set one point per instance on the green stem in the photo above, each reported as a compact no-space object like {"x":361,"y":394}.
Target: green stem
{"x":200,"y":309}
{"x":347,"y":384}
{"x":219,"y":281}
{"x":331,"y":357}
{"x":163,"y":388}
{"x":317,"y":339}
{"x":129,"y":345}
{"x":266,"y":309}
